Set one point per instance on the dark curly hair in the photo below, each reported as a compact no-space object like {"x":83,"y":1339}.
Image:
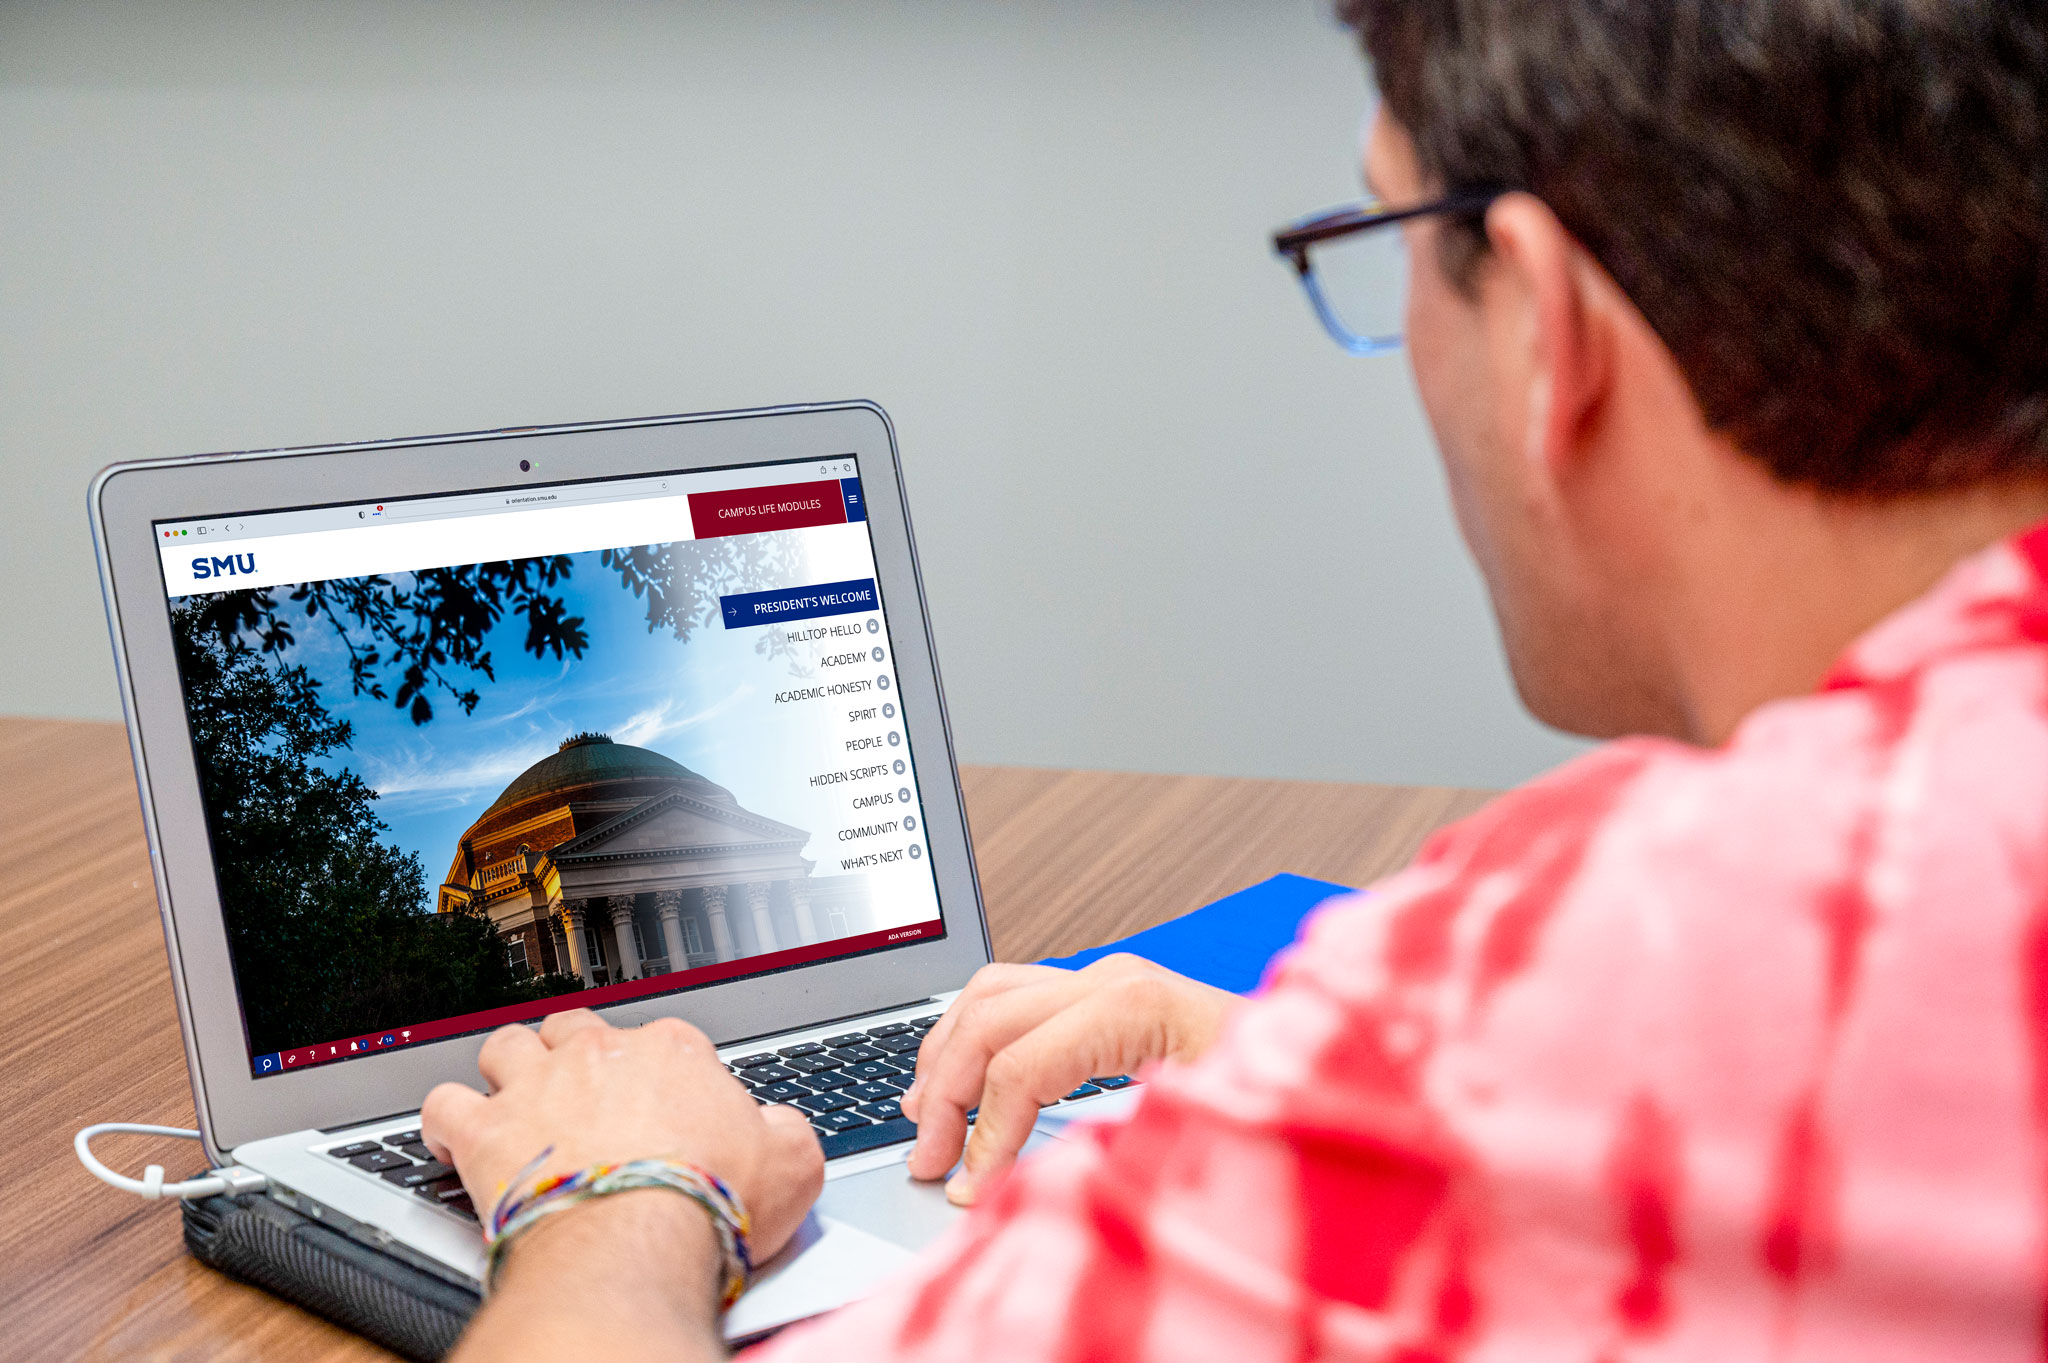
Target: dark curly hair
{"x":1834,"y":212}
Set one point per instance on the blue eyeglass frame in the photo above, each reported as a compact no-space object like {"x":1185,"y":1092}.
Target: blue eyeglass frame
{"x":1295,"y":241}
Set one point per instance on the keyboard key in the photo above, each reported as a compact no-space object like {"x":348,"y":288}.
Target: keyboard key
{"x":888,"y":1029}
{"x":872,"y":1136}
{"x":767,"y":1074}
{"x":931,"y":1021}
{"x":839,"y":1121}
{"x":819,"y":1083}
{"x":853,"y":1053}
{"x":377,"y":1161}
{"x":780,"y":1093}
{"x":865,"y":1070}
{"x":449,"y":1193}
{"x":1085,"y":1091}
{"x":802,"y":1049}
{"x":441,"y":1189}
{"x":747,"y":1062}
{"x":813,"y":1064}
{"x":416,"y":1151}
{"x":351,"y":1151}
{"x":900,"y":1045}
{"x":900,"y":1082}
{"x":822,"y":1102}
{"x":886,"y":1111}
{"x":1114,"y":1081}
{"x":846,"y":1039}
{"x":871,"y":1093}
{"x":398,"y":1138}
{"x":418,"y":1175}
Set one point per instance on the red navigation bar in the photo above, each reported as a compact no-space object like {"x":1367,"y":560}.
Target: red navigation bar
{"x":754,"y":510}
{"x":394,"y":1038}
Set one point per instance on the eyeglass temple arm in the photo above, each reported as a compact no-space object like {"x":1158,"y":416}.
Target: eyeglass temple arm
{"x":1293,"y":242}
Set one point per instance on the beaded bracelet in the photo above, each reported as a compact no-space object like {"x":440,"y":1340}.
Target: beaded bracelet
{"x":516,"y":1214}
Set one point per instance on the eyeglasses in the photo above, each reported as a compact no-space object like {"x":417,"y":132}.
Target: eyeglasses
{"x":1356,"y":278}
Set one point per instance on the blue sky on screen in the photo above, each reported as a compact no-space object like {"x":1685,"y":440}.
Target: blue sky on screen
{"x":707,"y":704}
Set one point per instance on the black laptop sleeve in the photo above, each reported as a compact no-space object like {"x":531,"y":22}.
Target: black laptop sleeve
{"x":258,"y":1240}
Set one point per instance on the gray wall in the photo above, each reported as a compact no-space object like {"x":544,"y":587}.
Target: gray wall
{"x":1166,"y":525}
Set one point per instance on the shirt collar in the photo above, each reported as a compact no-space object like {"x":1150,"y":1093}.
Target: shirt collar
{"x":1994,"y":598}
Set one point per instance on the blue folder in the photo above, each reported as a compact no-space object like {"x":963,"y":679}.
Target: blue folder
{"x":1227,"y":943}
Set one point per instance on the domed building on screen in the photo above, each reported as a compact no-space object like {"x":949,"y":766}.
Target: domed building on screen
{"x":611,"y":862}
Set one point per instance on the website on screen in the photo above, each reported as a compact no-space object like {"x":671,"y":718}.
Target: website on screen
{"x":470,"y":760}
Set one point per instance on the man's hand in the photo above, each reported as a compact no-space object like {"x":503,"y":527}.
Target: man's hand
{"x":598,"y":1094}
{"x":1020,"y":1036}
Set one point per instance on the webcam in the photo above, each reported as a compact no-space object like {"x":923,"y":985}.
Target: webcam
{"x":526,"y":466}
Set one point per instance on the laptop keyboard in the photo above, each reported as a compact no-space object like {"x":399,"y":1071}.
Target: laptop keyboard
{"x":402,"y":1161}
{"x":849,"y":1086}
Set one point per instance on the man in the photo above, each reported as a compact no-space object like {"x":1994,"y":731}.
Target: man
{"x":1725,"y":1041}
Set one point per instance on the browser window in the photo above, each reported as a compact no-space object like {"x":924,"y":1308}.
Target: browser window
{"x":469,"y":760}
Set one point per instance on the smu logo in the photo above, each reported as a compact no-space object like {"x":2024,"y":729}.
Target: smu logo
{"x":223,"y":567}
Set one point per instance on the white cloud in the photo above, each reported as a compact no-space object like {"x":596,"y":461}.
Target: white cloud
{"x":660,"y":720}
{"x":427,"y":777}
{"x":424,"y":773}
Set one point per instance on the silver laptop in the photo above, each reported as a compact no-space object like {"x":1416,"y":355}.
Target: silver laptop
{"x":438,"y":735}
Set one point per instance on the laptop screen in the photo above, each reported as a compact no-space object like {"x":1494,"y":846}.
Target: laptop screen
{"x":473,"y":759}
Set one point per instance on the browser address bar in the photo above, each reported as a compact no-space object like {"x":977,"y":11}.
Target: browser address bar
{"x":522,"y":501}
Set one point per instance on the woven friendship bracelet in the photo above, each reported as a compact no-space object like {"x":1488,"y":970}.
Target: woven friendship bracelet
{"x":517,"y":1212}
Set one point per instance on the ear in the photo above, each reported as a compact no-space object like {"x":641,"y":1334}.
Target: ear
{"x":1557,"y":324}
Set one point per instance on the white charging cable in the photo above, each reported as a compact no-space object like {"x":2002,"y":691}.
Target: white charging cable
{"x":233,"y":1179}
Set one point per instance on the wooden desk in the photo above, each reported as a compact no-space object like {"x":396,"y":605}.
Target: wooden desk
{"x":1068,"y":860}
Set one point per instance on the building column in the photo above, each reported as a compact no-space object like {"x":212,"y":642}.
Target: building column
{"x":621,"y":906}
{"x":572,"y":928}
{"x":668,"y":907}
{"x":764,"y":926}
{"x":800,"y":906}
{"x":544,"y":957}
{"x":721,"y":931}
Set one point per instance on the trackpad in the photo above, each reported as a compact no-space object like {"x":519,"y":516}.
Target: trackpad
{"x":889,"y":1203}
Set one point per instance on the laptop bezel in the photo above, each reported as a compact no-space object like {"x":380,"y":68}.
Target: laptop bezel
{"x":126,"y":500}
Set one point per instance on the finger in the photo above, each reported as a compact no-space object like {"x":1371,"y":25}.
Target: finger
{"x":806,"y":1165}
{"x":1093,"y":1037}
{"x":506,"y":1053}
{"x":448,"y":1120}
{"x":950,"y":1082}
{"x":795,"y":1143}
{"x":791,"y":1174}
{"x":557,"y":1028}
{"x":785,"y":1120}
{"x":987,"y":981}
{"x":948,"y":1075}
{"x":1115,"y":969}
{"x":674,"y":1032}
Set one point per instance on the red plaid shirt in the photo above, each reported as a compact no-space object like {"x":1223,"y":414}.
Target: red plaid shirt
{"x":1673,"y":1053}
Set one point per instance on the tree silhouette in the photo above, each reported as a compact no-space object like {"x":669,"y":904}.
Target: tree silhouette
{"x":410,"y":636}
{"x":681,"y":582}
{"x":428,"y":627}
{"x":330,"y":926}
